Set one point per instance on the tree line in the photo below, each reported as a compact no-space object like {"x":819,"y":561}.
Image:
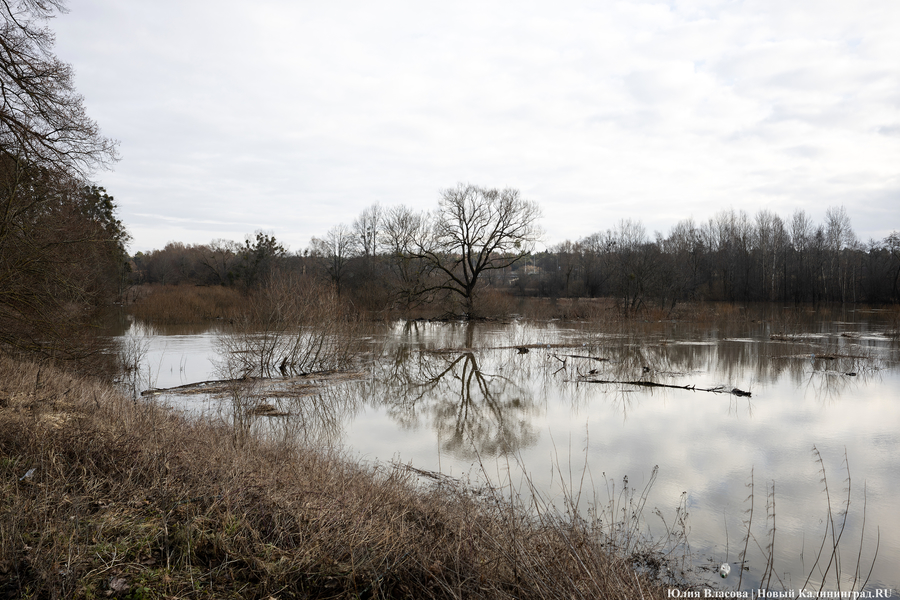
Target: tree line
{"x":394,"y":258}
{"x":481,"y":239}
{"x":732,"y":257}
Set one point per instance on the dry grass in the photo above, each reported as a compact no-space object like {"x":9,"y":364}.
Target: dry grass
{"x":170,"y":304}
{"x":105,"y":497}
{"x":607,"y":311}
{"x":493,"y":303}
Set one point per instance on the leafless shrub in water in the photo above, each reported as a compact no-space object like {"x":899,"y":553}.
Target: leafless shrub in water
{"x":291,"y":326}
{"x":130,"y":354}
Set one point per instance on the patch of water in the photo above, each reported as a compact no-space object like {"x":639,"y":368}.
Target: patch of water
{"x":523,"y":405}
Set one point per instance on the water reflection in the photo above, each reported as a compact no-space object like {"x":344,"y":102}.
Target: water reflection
{"x":312,"y":413}
{"x":473,"y":410}
{"x":446,"y":396}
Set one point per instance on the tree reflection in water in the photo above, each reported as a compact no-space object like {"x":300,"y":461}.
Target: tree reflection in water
{"x":311,"y":413}
{"x":474,"y":412}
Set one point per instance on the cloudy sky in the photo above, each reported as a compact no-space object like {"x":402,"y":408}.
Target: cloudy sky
{"x":292,"y":117}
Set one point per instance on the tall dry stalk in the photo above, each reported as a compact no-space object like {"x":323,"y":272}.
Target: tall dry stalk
{"x":749,"y":523}
{"x":829,"y":552}
{"x":835,"y":532}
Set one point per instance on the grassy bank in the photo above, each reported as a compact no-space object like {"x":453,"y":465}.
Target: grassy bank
{"x":104,"y":497}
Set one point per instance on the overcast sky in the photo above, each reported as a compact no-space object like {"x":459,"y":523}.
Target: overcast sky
{"x":292,"y":117}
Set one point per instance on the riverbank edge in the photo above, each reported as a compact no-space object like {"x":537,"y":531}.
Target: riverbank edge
{"x":107,"y":497}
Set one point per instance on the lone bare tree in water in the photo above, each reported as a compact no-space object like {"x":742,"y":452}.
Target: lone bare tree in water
{"x":474,"y":230}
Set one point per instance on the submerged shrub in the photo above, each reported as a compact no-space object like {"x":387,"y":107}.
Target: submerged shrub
{"x":293,"y":325}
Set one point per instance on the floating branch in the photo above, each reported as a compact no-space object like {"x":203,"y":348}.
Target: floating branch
{"x":597,"y":358}
{"x":719,"y":389}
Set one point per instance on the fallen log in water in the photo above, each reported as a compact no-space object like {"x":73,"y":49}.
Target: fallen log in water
{"x":597,"y":358}
{"x":719,"y":389}
{"x":198,"y":387}
{"x":223,"y":385}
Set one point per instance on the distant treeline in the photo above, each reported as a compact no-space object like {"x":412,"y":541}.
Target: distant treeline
{"x":729,"y":257}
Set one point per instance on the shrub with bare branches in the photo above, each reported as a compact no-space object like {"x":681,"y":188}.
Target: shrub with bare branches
{"x":293,"y":325}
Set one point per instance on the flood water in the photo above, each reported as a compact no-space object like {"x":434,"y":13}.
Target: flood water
{"x":561,"y":408}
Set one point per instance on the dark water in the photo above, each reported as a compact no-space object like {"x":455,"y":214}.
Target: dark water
{"x":464,"y":400}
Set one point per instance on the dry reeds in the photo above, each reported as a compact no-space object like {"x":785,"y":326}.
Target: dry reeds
{"x":171,"y":304}
{"x":105,"y":497}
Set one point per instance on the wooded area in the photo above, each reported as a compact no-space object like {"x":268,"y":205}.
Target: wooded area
{"x":62,"y":249}
{"x":399,"y":258}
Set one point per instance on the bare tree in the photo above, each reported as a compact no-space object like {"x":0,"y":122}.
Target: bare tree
{"x":366,"y":228}
{"x":730,"y":237}
{"x":402,"y":231}
{"x":839,"y":236}
{"x":42,"y":117}
{"x":176,"y":263}
{"x":685,"y":245}
{"x":594,"y":251}
{"x":220,"y":259}
{"x":770,"y":240}
{"x":801,"y":233}
{"x":57,"y":232}
{"x":567,"y":254}
{"x":336,"y":248}
{"x":635,"y":262}
{"x":474,"y":230}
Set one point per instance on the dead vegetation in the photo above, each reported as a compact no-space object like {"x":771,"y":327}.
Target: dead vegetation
{"x":171,"y":304}
{"x":106,"y":497}
{"x":291,"y":326}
